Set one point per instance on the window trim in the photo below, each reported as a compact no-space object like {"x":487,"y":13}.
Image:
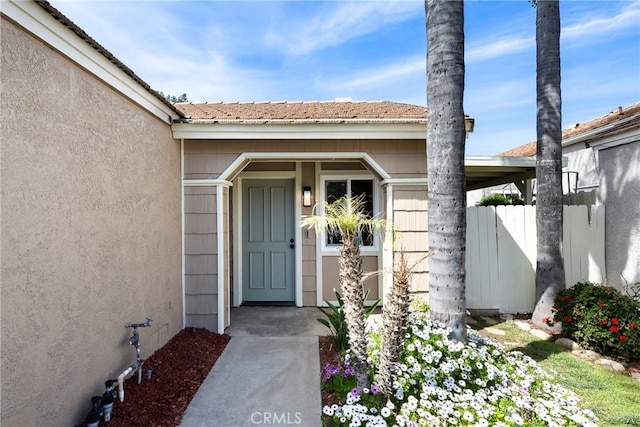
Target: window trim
{"x":348,"y":176}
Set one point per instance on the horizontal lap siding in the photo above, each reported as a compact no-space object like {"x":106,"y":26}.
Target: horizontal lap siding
{"x":309,"y":282}
{"x":201,"y":261}
{"x":206,"y":159}
{"x":410,"y":217}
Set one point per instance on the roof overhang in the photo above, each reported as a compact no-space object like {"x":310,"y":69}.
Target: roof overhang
{"x":296,"y":130}
{"x":483,"y":172}
{"x":619,"y":132}
{"x":627,"y":137}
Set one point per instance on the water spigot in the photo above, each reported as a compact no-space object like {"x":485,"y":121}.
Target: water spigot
{"x":147,"y":324}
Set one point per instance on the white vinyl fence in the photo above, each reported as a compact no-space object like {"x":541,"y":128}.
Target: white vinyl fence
{"x":501,"y":254}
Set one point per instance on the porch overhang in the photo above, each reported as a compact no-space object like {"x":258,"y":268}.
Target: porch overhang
{"x":483,"y":172}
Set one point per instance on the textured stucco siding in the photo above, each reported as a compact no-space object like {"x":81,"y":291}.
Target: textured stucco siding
{"x":410,"y":218}
{"x":201,"y":257}
{"x":91,"y":239}
{"x":620,"y":192}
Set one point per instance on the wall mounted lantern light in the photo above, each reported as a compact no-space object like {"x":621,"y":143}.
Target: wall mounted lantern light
{"x":469,"y":124}
{"x":306,"y":196}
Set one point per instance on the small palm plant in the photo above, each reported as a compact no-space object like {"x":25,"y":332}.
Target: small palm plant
{"x":347,"y":217}
{"x":394,"y":320}
{"x":337,"y":323}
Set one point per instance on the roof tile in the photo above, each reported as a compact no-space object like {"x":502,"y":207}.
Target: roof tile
{"x":318,"y":111}
{"x":631,"y":112}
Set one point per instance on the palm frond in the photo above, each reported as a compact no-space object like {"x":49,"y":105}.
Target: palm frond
{"x":346,"y":216}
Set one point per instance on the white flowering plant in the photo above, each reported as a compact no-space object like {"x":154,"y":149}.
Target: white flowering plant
{"x":441,"y":382}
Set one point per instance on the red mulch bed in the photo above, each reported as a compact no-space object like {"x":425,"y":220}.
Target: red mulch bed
{"x":328,"y":356}
{"x":179,"y":367}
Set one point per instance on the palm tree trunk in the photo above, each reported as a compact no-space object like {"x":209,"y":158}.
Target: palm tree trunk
{"x":445,"y":163}
{"x":352,"y":288}
{"x":550,"y":276}
{"x":394,"y":318}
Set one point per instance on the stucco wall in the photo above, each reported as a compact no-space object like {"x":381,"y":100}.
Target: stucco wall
{"x":620,"y":192}
{"x":90,"y":213}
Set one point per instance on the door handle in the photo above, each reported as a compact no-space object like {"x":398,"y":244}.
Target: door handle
{"x":292,"y":246}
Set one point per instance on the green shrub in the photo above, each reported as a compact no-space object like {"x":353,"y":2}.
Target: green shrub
{"x":500,"y":200}
{"x":600,"y":318}
{"x":418,"y":304}
{"x":337,"y":323}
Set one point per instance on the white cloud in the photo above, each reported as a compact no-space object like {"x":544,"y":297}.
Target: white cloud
{"x":585,"y":30}
{"x":342,"y":22}
{"x":483,"y":52}
{"x":629,"y":17}
{"x":382,"y":76}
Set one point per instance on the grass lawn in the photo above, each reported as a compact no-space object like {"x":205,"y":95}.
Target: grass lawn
{"x":613,"y":397}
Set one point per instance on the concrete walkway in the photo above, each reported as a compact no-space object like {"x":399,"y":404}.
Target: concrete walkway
{"x":268,"y":374}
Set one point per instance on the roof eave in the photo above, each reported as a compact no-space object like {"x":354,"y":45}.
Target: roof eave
{"x":301,"y":130}
{"x":606,"y":131}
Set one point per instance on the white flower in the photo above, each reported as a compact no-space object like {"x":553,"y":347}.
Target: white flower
{"x":517,"y":419}
{"x":462,"y":385}
{"x":328,"y":410}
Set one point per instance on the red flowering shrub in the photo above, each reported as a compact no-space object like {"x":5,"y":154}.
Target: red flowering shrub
{"x":600,"y":318}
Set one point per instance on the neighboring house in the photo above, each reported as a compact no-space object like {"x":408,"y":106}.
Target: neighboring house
{"x":603,"y":158}
{"x":117,"y":205}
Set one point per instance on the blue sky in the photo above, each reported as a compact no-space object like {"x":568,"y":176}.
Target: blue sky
{"x":371,"y":50}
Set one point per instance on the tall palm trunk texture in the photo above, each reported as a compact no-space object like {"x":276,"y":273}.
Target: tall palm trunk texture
{"x":550,"y":276}
{"x":352,"y":288}
{"x":394,"y":318}
{"x":445,"y":163}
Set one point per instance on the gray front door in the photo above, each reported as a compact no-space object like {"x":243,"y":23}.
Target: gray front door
{"x":268,"y":273}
